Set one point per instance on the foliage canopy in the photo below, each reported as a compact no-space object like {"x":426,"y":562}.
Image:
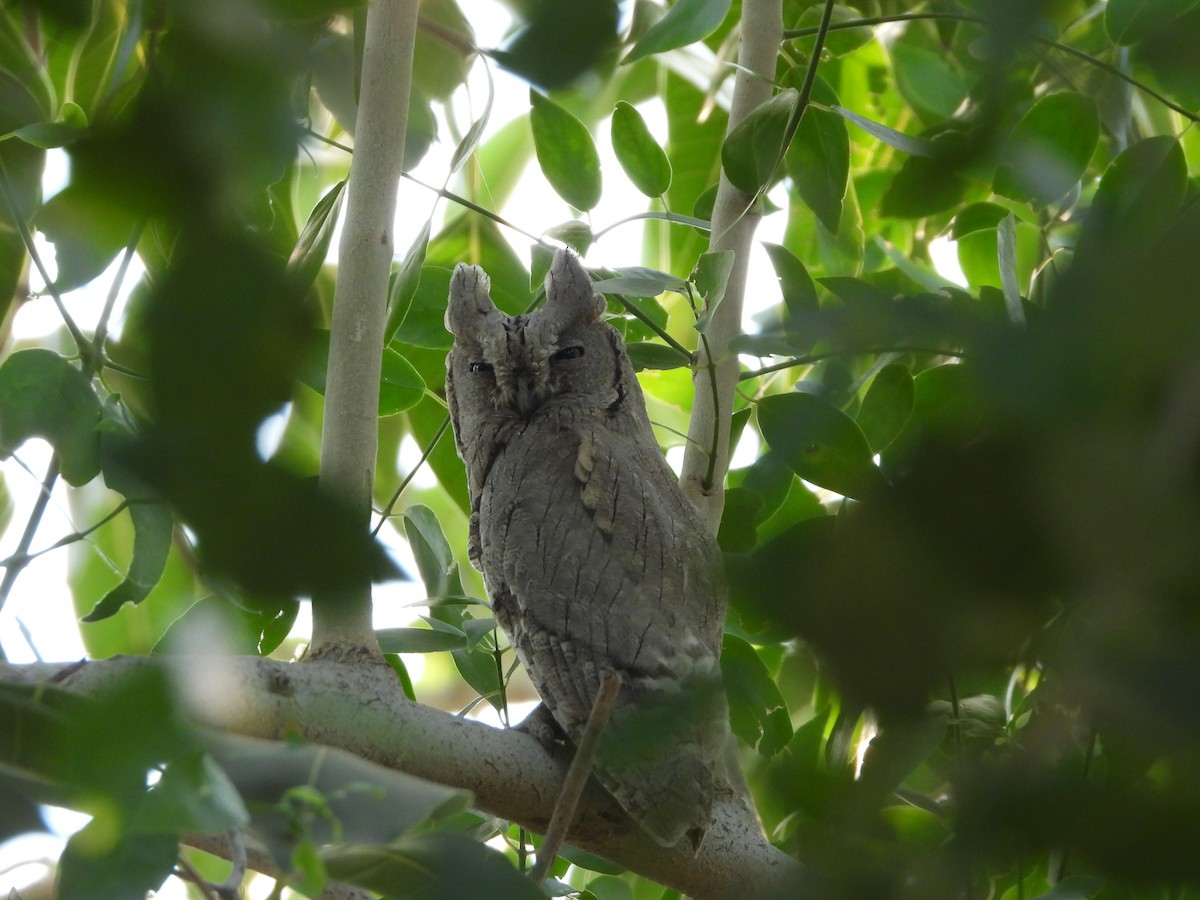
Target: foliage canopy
{"x":965,"y":593}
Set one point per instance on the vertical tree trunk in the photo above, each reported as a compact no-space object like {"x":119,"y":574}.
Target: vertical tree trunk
{"x":732,"y":229}
{"x":342,"y":623}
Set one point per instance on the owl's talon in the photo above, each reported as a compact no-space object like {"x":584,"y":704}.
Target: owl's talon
{"x":541,"y":726}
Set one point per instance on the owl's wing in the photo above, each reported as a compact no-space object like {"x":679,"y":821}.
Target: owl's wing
{"x":595,"y":560}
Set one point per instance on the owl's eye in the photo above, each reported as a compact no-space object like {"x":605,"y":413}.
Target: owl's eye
{"x":480,"y":367}
{"x":569,"y":353}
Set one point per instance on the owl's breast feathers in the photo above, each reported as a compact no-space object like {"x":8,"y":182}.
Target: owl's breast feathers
{"x":595,"y":560}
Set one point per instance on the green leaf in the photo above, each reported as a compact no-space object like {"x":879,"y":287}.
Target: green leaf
{"x":94,"y":867}
{"x":685,"y":23}
{"x":711,"y":277}
{"x":1141,"y":190}
{"x":68,"y":127}
{"x":757,"y":711}
{"x":421,"y":866}
{"x":439,"y":572}
{"x":556,"y":43}
{"x":1049,"y":149}
{"x":87,"y":232}
{"x":362,"y":801}
{"x":638,"y":281}
{"x":976,"y":217}
{"x":820,"y":444}
{"x":405,"y":283}
{"x":979,"y":251}
{"x":153,"y":523}
{"x":751,"y":153}
{"x":886,"y":406}
{"x":927,"y":81}
{"x":818,"y":158}
{"x":313,"y":244}
{"x":925,"y":185}
{"x":1074,"y":887}
{"x":43,"y":395}
{"x":738,"y":532}
{"x":799,"y":292}
{"x":419,"y":640}
{"x":839,"y":41}
{"x":643,"y":160}
{"x":566,"y":152}
{"x":401,"y":386}
{"x":652,"y":355}
{"x":193,"y":794}
{"x":1129,"y":21}
{"x":431,"y":550}
{"x":914,"y":146}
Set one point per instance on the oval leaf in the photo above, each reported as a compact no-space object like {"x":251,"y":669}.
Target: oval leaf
{"x":757,"y":711}
{"x":419,"y":640}
{"x":650,"y":355}
{"x":313,"y":244}
{"x":799,"y":292}
{"x":43,"y":395}
{"x":1049,"y":149}
{"x":566,"y":152}
{"x":1128,"y":21}
{"x":685,"y":23}
{"x":887,"y":406}
{"x":400,"y":386}
{"x":820,"y":443}
{"x":643,"y":160}
{"x":751,"y":153}
{"x":818,"y":158}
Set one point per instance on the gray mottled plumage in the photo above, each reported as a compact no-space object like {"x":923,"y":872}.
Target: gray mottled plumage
{"x":593,"y":557}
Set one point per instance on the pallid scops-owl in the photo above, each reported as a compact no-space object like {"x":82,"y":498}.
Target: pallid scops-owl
{"x":593,"y":557}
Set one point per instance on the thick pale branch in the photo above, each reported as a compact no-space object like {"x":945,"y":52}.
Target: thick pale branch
{"x":733,"y":225}
{"x":361,"y":709}
{"x":350,"y":431}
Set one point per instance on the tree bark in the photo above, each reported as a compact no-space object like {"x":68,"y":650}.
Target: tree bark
{"x":361,"y":709}
{"x":706,"y":453}
{"x":342,"y":624}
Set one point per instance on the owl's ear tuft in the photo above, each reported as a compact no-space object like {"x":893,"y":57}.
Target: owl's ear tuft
{"x":470,"y":304}
{"x":569,"y":291}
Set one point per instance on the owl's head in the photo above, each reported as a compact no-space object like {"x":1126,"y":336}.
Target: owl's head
{"x":517,"y":364}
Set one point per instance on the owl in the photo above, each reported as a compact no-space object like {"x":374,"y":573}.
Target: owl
{"x":593,"y":557}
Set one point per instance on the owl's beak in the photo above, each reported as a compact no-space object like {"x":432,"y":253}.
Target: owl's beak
{"x":527,"y":398}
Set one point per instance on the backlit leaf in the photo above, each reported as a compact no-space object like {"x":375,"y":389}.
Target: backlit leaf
{"x":643,"y":160}
{"x":1048,"y":151}
{"x":820,"y":443}
{"x":566,"y":152}
{"x":751,"y":153}
{"x":685,"y":23}
{"x":43,"y":395}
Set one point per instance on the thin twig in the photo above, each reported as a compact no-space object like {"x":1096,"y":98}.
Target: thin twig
{"x":577,"y":776}
{"x":23,"y":560}
{"x":386,"y":512}
{"x":20,"y":556}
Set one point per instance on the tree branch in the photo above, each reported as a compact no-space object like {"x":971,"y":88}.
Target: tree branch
{"x":733,"y":226}
{"x":350,"y":432}
{"x":362,"y":709}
